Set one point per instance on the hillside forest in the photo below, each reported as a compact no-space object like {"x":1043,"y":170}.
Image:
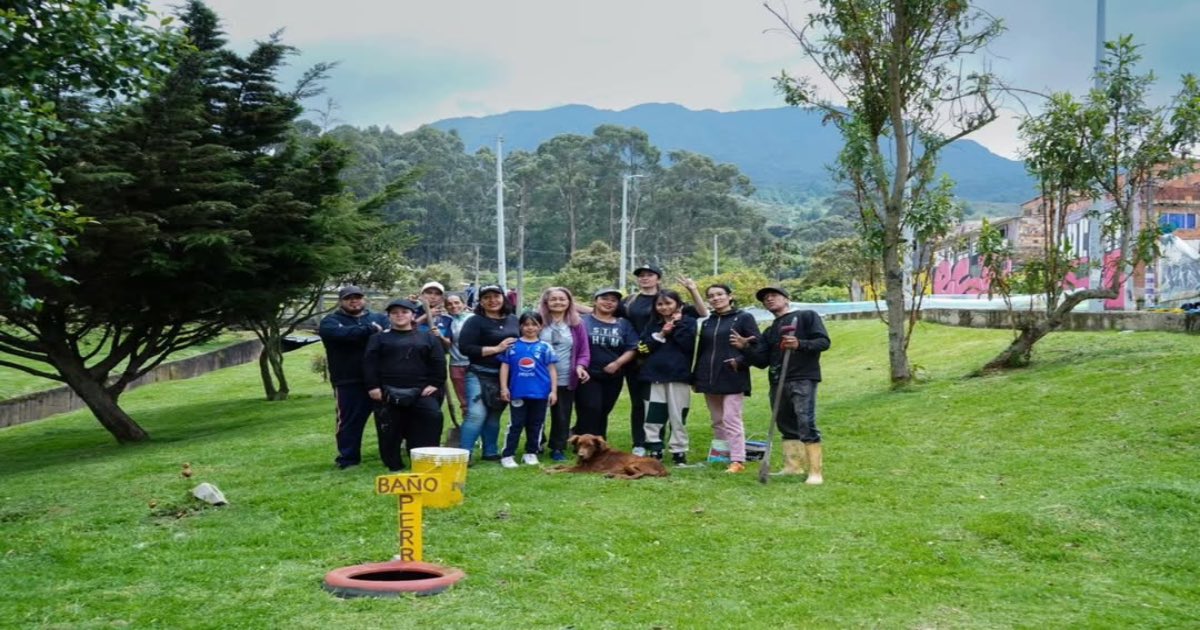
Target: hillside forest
{"x":567,"y":195}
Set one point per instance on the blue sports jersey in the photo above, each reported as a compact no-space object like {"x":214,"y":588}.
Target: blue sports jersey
{"x":529,"y":369}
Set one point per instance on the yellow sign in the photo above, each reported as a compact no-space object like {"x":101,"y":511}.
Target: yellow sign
{"x":410,"y":527}
{"x":407,"y":484}
{"x":408,"y":490}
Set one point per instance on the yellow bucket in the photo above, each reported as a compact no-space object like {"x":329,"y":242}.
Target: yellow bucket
{"x":450,"y":466}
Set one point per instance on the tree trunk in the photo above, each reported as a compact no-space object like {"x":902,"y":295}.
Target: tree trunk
{"x":280,"y":377}
{"x":102,"y":401}
{"x":1017,"y":354}
{"x":264,"y":371}
{"x":270,"y":368}
{"x":893,"y":270}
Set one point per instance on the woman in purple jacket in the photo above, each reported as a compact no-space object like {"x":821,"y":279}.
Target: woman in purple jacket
{"x":565,"y":333}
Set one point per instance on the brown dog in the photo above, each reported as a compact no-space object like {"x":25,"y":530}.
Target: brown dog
{"x":594,"y":456}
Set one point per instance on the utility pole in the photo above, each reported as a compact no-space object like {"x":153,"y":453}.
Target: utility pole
{"x":476,"y":266}
{"x":621,"y":280}
{"x":520,"y":254}
{"x":715,"y":257}
{"x":633,"y":247}
{"x":1149,"y":293}
{"x":1095,"y":254}
{"x":501,"y":272}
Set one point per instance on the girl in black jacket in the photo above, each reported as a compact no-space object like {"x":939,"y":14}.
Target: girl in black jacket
{"x":722,"y":371}
{"x":669,"y":342}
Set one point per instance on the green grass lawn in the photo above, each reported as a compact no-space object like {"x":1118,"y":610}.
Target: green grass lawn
{"x":14,"y":382}
{"x":1065,"y":495}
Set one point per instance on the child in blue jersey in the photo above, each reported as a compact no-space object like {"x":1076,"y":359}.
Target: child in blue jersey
{"x":529,"y":382}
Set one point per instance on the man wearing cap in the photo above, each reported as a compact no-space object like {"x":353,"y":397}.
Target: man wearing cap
{"x":433,"y":296}
{"x":344,"y":333}
{"x":803,"y":334}
{"x":639,"y":310}
{"x":404,"y":369}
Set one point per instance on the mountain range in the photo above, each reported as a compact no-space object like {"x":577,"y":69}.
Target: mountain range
{"x":785,"y":151}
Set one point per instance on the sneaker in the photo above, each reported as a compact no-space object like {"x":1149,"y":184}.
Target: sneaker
{"x":558,"y":456}
{"x":679,"y":459}
{"x":641,"y":452}
{"x":491,"y":458}
{"x":655,"y":454}
{"x":530,"y":459}
{"x":736,"y":467}
{"x":508,"y":462}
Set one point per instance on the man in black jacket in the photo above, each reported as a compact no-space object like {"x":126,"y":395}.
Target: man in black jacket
{"x":345,"y":332}
{"x":803,"y":333}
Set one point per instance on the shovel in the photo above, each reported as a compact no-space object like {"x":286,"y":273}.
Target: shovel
{"x":764,"y":467}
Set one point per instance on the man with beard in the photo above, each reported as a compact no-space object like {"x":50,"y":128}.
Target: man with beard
{"x":344,"y":333}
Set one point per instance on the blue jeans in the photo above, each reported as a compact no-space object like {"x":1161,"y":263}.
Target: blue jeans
{"x":480,"y":420}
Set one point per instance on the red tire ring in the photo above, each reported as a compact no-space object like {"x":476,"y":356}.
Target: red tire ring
{"x":388,"y":579}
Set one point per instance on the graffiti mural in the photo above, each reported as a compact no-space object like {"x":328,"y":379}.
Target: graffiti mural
{"x":1110,"y":267}
{"x":954,"y":277}
{"x":1179,"y":271}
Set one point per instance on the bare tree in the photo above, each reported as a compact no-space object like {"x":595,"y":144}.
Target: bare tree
{"x":896,"y":66}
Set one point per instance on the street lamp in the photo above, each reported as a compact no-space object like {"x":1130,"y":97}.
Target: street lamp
{"x":633,"y":246}
{"x":624,"y":226}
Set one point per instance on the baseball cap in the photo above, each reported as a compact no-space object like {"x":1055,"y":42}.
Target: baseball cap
{"x":490,"y":288}
{"x":607,"y":291}
{"x":433,"y":285}
{"x":771,"y":289}
{"x":651,"y":268}
{"x":349,"y":290}
{"x":402,"y":303}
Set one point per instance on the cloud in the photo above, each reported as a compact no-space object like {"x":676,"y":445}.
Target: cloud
{"x":408,"y":63}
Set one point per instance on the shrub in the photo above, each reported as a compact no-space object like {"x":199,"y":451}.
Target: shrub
{"x":821,"y":294}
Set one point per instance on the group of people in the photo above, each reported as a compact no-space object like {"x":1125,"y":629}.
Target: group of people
{"x":571,"y":361}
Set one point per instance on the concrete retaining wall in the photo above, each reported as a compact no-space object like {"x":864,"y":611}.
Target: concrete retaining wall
{"x":1085,"y":320}
{"x":1080,"y":320}
{"x":38,"y":405}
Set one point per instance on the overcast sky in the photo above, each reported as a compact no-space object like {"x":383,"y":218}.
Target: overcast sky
{"x":407,"y":63}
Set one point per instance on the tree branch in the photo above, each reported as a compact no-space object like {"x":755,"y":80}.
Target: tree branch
{"x":54,"y":376}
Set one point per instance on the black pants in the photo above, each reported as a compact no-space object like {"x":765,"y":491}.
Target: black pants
{"x":637,"y":404}
{"x":415,"y":426}
{"x":798,"y":411}
{"x":594,"y":400}
{"x":560,"y":419}
{"x":353,"y":408}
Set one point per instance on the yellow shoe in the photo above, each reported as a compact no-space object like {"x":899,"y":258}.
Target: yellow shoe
{"x":736,"y":467}
{"x":794,"y":461}
{"x":815,"y":467}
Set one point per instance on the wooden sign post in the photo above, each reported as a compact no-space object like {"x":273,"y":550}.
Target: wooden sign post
{"x":408,"y":489}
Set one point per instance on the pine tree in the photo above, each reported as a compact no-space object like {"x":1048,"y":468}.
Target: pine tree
{"x":201,"y":211}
